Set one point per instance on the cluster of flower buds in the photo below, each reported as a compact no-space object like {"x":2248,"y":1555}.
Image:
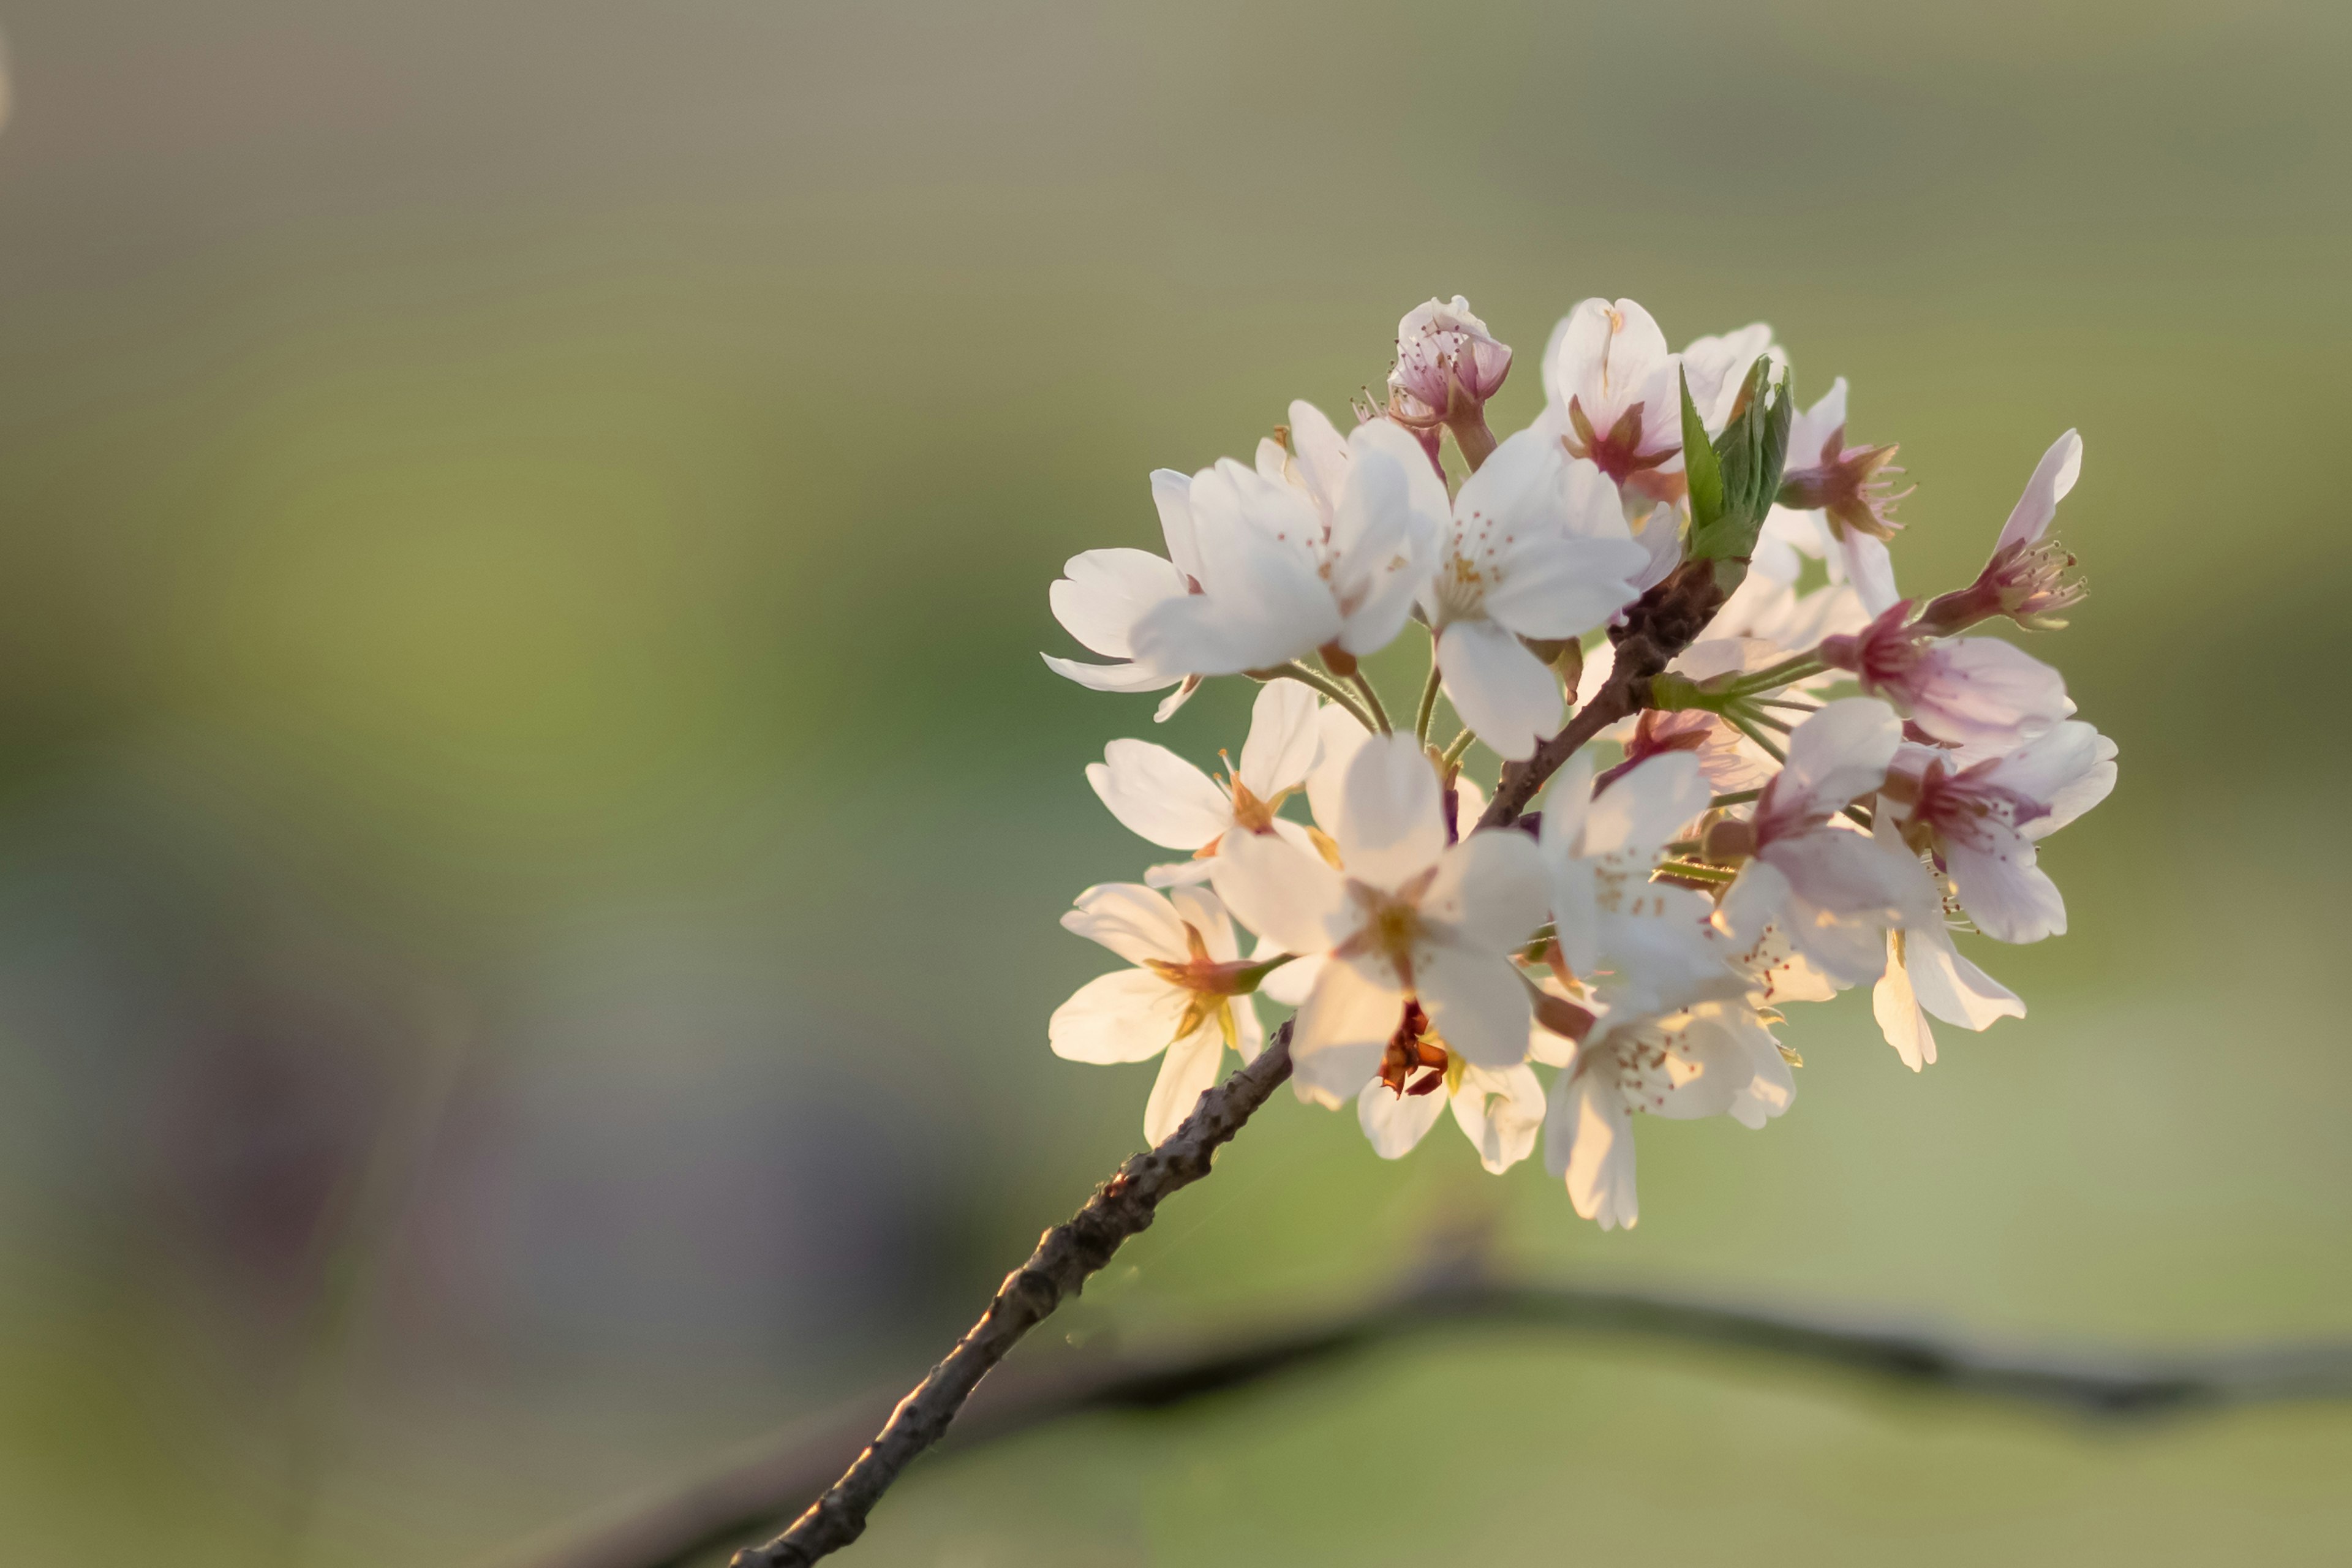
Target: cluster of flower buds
{"x":1740,"y":770}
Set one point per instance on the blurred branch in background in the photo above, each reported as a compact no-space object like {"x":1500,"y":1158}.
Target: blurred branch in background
{"x":1454,"y":1290}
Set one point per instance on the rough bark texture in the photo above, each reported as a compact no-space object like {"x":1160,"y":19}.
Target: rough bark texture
{"x":1662,"y":623}
{"x":1065,"y":1255}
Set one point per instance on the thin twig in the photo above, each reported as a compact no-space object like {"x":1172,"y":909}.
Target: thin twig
{"x":733,"y":1502}
{"x":1066,"y":1257}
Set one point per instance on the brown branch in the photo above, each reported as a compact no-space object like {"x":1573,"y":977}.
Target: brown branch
{"x":1065,"y":1255}
{"x":733,"y":1502}
{"x":1659,"y":624}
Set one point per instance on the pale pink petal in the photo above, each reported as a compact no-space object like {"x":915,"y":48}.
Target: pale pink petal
{"x":1108,"y":677}
{"x":2007,"y":894}
{"x":1644,"y":807}
{"x":1835,"y":756}
{"x":2059,"y":467}
{"x":1984,"y":691}
{"x":1171,"y":495}
{"x":1895,"y":1005}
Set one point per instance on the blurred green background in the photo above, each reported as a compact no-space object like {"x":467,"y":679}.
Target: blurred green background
{"x":531,"y":824}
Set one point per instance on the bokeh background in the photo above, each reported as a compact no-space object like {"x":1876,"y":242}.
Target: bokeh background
{"x":531,"y":824}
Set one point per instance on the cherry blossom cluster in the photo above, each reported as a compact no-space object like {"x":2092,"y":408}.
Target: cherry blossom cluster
{"x":1740,"y":770}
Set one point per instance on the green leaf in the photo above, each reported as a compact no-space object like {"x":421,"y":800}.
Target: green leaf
{"x":1699,"y":464}
{"x":1744,"y":466}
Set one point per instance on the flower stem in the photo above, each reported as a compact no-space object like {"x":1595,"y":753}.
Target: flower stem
{"x":1330,"y":688}
{"x":1739,"y":721}
{"x":1372,"y":700}
{"x":1428,"y":702}
{"x":1781,"y":674}
{"x":1736,"y":797}
{"x":1454,"y":752}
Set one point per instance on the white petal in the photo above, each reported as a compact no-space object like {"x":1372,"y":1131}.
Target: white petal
{"x":1589,"y":1139}
{"x":1500,"y":1113}
{"x":1895,"y":1005}
{"x":1249,"y":1029}
{"x":1171,"y":494}
{"x":1982,"y":690}
{"x":1102,"y":593}
{"x":1109,"y":676}
{"x":2006,"y":893}
{"x":1952,"y":988}
{"x":1391,"y":826}
{"x":1199,"y":908}
{"x":1342,"y":737}
{"x":1157,"y":795}
{"x":1278,"y":892}
{"x":1644,"y":808}
{"x":1506,"y":695}
{"x":2059,"y":467}
{"x":1835,"y":756}
{"x":1132,"y":922}
{"x":1871,"y":569}
{"x":1563,"y":587}
{"x":1288,"y":985}
{"x":1283,"y":739}
{"x":1189,"y":1071}
{"x":1490,"y":888}
{"x":1178,"y":874}
{"x":1567,"y":801}
{"x":1342,"y":1029}
{"x":1476,"y":1002}
{"x":1125,"y":1017}
{"x":1395,"y":1122}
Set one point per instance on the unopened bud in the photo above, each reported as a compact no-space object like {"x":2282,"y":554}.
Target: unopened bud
{"x":1447,"y":366}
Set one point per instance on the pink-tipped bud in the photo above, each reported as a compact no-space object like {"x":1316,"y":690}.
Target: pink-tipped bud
{"x":1852,"y":484}
{"x":1447,"y":366}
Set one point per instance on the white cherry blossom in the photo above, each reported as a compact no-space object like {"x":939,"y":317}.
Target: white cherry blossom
{"x":1184,"y":996}
{"x":1325,"y":559}
{"x":1159,"y":795}
{"x":1613,"y":395}
{"x":1833,"y":891}
{"x":1717,"y":1058}
{"x":1411,"y":918}
{"x":2026,"y":577}
{"x":1981,"y":815}
{"x":1653,"y":939}
{"x":1536,"y":547}
{"x":1102,"y":595}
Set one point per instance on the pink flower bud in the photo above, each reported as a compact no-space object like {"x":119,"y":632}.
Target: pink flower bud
{"x":1447,"y":366}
